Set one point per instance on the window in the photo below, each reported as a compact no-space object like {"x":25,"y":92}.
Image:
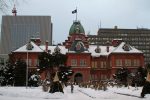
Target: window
{"x":36,"y":62}
{"x":136,"y":62}
{"x":29,"y":62}
{"x":127,"y":62}
{"x":103,"y":64}
{"x":110,"y":64}
{"x":82,"y":62}
{"x":94,"y":64}
{"x":103,"y":77}
{"x":118,"y":62}
{"x":98,"y":50}
{"x":2,"y":61}
{"x":73,"y":62}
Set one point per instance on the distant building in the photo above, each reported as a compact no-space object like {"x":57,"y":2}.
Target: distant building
{"x":89,"y":62}
{"x":17,"y":30}
{"x":138,"y":38}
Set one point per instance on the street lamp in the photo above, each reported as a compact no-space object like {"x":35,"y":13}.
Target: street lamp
{"x":27,"y":69}
{"x":28,"y":48}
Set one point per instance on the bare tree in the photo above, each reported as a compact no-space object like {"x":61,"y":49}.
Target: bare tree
{"x":3,"y":5}
{"x":6,"y":4}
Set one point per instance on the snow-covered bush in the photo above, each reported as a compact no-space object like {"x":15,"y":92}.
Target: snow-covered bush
{"x":34,"y":80}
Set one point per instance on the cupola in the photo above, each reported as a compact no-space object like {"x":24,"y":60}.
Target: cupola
{"x":76,"y":28}
{"x":29,"y":46}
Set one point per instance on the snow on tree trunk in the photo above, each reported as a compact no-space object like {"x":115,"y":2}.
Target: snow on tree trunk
{"x":148,"y":77}
{"x":56,"y":85}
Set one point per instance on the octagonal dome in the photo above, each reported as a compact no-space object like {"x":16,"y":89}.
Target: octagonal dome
{"x":76,"y":28}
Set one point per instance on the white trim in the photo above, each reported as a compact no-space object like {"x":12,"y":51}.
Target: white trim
{"x":127,"y":67}
{"x":80,"y":67}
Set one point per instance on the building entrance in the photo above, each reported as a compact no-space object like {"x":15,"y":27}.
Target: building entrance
{"x":78,"y":78}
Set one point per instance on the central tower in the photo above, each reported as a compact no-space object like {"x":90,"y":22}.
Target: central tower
{"x":78,"y":55}
{"x":77,"y":40}
{"x":76,"y":28}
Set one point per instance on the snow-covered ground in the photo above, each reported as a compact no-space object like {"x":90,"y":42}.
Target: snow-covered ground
{"x":36,"y":93}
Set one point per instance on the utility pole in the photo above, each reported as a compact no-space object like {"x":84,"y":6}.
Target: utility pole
{"x":27,"y":68}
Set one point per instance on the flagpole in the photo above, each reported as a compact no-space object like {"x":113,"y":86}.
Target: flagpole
{"x":100,"y":24}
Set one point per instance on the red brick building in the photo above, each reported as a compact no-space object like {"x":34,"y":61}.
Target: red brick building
{"x":89,"y":62}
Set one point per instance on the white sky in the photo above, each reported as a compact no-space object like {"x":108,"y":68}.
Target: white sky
{"x":123,"y":13}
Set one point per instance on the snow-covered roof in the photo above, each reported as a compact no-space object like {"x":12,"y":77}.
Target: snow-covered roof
{"x":34,"y":49}
{"x":63,"y":50}
{"x":91,"y":49}
{"x":120,"y":49}
{"x":103,"y":50}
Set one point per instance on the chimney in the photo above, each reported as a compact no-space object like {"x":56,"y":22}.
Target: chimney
{"x":116,"y":42}
{"x":107,"y":46}
{"x":115,"y":27}
{"x":37,"y":41}
{"x":46,"y":46}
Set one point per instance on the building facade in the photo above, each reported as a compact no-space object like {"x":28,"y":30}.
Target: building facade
{"x":89,"y":62}
{"x":17,"y":30}
{"x":139,"y":38}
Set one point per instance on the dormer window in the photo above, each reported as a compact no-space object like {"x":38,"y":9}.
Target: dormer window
{"x":77,"y":29}
{"x":57,"y":49}
{"x":78,"y":46}
{"x":49,"y":51}
{"x":126,"y":47}
{"x":29,"y":46}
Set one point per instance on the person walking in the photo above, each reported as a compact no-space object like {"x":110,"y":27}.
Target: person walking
{"x":146,"y":87}
{"x":72,"y":87}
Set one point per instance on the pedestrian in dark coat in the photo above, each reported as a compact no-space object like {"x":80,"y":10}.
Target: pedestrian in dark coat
{"x":72,"y":87}
{"x":146,"y":87}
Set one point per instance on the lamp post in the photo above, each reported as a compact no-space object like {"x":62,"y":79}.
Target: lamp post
{"x":27,"y":68}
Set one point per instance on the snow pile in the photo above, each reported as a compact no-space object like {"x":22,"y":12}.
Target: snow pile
{"x":29,"y":93}
{"x":131,"y":91}
{"x":97,"y":93}
{"x":147,"y":97}
{"x":36,"y":93}
{"x":125,"y":90}
{"x":115,"y":93}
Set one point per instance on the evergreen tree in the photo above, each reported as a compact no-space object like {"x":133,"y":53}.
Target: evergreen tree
{"x":58,"y":58}
{"x":139,"y":77}
{"x":56,"y":63}
{"x":9,"y":73}
{"x":45,"y":60}
{"x":122,"y":75}
{"x":20,"y":73}
{"x":65,"y":73}
{"x":34,"y":79}
{"x":146,"y":87}
{"x":148,"y":67}
{"x":2,"y":74}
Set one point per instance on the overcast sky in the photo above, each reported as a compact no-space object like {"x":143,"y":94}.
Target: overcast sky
{"x":123,"y":13}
